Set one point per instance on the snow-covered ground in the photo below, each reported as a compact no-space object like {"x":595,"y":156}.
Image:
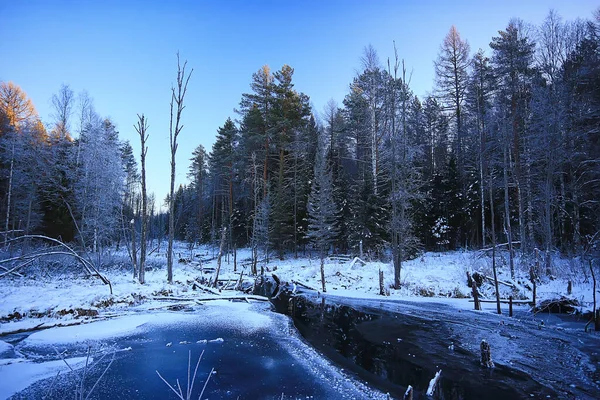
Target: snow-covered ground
{"x":60,"y":296}
{"x":46,"y":296}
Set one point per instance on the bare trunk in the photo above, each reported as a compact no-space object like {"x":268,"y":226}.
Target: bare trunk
{"x":177,"y":97}
{"x":144,"y":234}
{"x":221,"y":247}
{"x":492,"y":214}
{"x":9,"y":195}
{"x":133,"y":250}
{"x":507,"y":215}
{"x":323,"y":271}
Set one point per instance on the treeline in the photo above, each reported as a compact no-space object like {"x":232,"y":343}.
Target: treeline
{"x":83,"y":189}
{"x":505,"y":150}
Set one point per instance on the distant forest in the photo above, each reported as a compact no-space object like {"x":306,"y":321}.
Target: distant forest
{"x":505,"y":151}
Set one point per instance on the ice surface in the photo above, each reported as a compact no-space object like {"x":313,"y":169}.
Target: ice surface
{"x":17,"y":376}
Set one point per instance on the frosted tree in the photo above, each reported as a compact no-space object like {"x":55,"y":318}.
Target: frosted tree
{"x":22,"y":122}
{"x":63,"y":103}
{"x":322,"y":210}
{"x":400,"y":164}
{"x":99,"y":185}
{"x":512,"y":61}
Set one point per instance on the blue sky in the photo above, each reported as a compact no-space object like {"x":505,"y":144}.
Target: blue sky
{"x":123,"y":53}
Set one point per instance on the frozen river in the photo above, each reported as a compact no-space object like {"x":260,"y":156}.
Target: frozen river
{"x":255,"y":353}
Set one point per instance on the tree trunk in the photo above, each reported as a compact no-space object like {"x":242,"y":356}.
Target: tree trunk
{"x":507,"y":215}
{"x":133,"y":249}
{"x":492,"y":214}
{"x":9,"y":195}
{"x":144,"y":213}
{"x":223,"y":236}
{"x":177,"y":97}
{"x":323,"y":271}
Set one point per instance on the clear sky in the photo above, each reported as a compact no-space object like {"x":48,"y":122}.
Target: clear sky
{"x":123,"y":53}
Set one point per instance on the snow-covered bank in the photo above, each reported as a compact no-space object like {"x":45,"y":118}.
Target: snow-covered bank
{"x":44,"y":296}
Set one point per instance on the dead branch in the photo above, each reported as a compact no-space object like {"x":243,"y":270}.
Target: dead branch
{"x":304,"y":285}
{"x":14,"y":273}
{"x":90,"y":268}
{"x":16,"y":268}
{"x":206,"y":288}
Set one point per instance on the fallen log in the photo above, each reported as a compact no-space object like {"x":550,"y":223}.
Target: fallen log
{"x":357,"y":260}
{"x":206,"y":288}
{"x":503,"y":301}
{"x":245,"y":297}
{"x":489,"y":278}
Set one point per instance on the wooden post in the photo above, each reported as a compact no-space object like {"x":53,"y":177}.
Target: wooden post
{"x":570,"y":287}
{"x":596,"y":316}
{"x":408,"y":395}
{"x":474,"y":289}
{"x":381,"y":287}
{"x":532,"y":277}
{"x":510,"y":304}
{"x":486,"y":355}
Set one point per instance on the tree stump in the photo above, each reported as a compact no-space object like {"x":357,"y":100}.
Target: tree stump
{"x":486,"y":354}
{"x":473,"y":285}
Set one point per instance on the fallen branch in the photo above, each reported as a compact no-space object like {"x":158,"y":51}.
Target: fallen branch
{"x":12,"y":270}
{"x":499,"y":245}
{"x":206,"y":288}
{"x":356,"y":259}
{"x":90,"y":268}
{"x":503,"y":301}
{"x":14,"y":273}
{"x":304,"y":285}
{"x":510,"y":285}
{"x":238,"y":285}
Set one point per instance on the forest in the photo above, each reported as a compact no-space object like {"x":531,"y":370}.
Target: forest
{"x":504,"y":151}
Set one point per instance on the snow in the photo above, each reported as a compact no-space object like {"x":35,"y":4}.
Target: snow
{"x":19,"y":375}
{"x":5,"y":348}
{"x":438,"y":277}
{"x":66,"y":300}
{"x":100,"y":330}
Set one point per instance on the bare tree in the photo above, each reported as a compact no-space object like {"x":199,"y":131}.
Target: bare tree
{"x":141,"y":128}
{"x":177,"y":97}
{"x":63,"y":102}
